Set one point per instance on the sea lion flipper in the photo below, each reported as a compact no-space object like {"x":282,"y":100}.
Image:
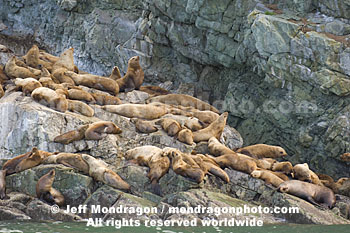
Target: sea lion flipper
{"x":311,"y":200}
{"x":220,"y":173}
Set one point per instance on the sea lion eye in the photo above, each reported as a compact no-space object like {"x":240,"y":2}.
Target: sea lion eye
{"x":281,"y":152}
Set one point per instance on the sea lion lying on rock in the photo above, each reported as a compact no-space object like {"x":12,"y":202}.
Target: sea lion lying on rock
{"x":263,"y":151}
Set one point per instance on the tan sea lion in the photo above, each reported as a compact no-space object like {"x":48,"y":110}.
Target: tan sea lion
{"x":100,"y":129}
{"x":302,"y":172}
{"x":213,"y":130}
{"x":210,"y":166}
{"x":75,"y":94}
{"x":154,"y":90}
{"x":185,"y":136}
{"x":3,"y":185}
{"x":73,"y":160}
{"x":59,"y":75}
{"x":268,"y":177}
{"x":207,"y":117}
{"x":14,"y":71}
{"x":32,"y":59}
{"x":315,"y":194}
{"x":345,"y":157}
{"x":236,"y":162}
{"x":31,"y":161}
{"x":66,"y":61}
{"x":44,"y":190}
{"x":73,"y":135}
{"x":172,"y":127}
{"x":99,"y":171}
{"x":94,"y":81}
{"x":115,"y":74}
{"x":144,"y":126}
{"x":48,"y":57}
{"x":50,"y":99}
{"x":101,"y":99}
{"x":184,"y":165}
{"x":263,"y":151}
{"x":28,"y":85}
{"x":142,"y":111}
{"x":285,"y":167}
{"x":134,"y":75}
{"x":183,"y":100}
{"x":194,"y":124}
{"x":216,"y":148}
{"x":80,"y":107}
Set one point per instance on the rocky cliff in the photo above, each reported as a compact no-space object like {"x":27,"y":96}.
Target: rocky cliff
{"x":281,"y":68}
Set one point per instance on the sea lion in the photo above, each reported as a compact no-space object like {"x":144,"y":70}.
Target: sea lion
{"x":183,"y":100}
{"x":59,"y":75}
{"x":172,"y":127}
{"x":101,"y":99}
{"x":184,"y":165}
{"x":143,"y":111}
{"x":194,"y":124}
{"x":99,"y":171}
{"x":73,"y":135}
{"x":73,"y":160}
{"x":154,"y":90}
{"x":144,"y":126}
{"x":3,"y":76}
{"x":80,"y":107}
{"x":213,"y":130}
{"x":302,"y":172}
{"x":268,"y":177}
{"x":207,"y":117}
{"x":2,"y":92}
{"x":44,"y":190}
{"x":94,"y":81}
{"x":210,"y":166}
{"x":216,"y":148}
{"x":315,"y":194}
{"x":50,"y":99}
{"x":3,"y":185}
{"x":264,"y":164}
{"x":134,"y":75}
{"x":14,"y":71}
{"x":345,"y":157}
{"x":100,"y":129}
{"x":329,"y":182}
{"x":152,"y":157}
{"x":236,"y":162}
{"x":263,"y":151}
{"x":28,"y":85}
{"x":75,"y":94}
{"x":48,"y":57}
{"x":32,"y":59}
{"x":185,"y":136}
{"x":285,"y":167}
{"x":10,"y":165}
{"x":31,"y":161}
{"x":115,"y":74}
{"x":66,"y":61}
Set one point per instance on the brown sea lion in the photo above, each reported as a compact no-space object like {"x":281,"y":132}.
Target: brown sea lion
{"x":28,"y":85}
{"x":14,"y":71}
{"x":115,"y":74}
{"x":48,"y":57}
{"x":184,"y":165}
{"x":144,"y":126}
{"x":194,"y":124}
{"x":73,"y":160}
{"x":315,"y":194}
{"x":185,"y":136}
{"x":75,"y":94}
{"x":285,"y":167}
{"x":134,"y":75}
{"x":263,"y":151}
{"x":66,"y":61}
{"x":101,"y":99}
{"x":207,"y":117}
{"x":44,"y":190}
{"x":210,"y":166}
{"x":213,"y":130}
{"x":172,"y":127}
{"x":142,"y":111}
{"x":32,"y":59}
{"x":94,"y":81}
{"x":50,"y":99}
{"x":10,"y":165}
{"x":183,"y":100}
{"x":3,"y":185}
{"x":100,"y":129}
{"x":154,"y":90}
{"x":99,"y":171}
{"x":73,"y":135}
{"x":268,"y":177}
{"x":345,"y":157}
{"x":236,"y":162}
{"x":80,"y":107}
{"x":31,"y":161}
{"x":59,"y":75}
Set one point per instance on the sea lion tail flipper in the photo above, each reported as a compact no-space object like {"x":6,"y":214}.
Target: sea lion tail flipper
{"x":312,"y":201}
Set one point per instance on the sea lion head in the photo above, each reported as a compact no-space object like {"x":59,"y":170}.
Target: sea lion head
{"x":342,"y":180}
{"x":281,"y":152}
{"x":134,"y":62}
